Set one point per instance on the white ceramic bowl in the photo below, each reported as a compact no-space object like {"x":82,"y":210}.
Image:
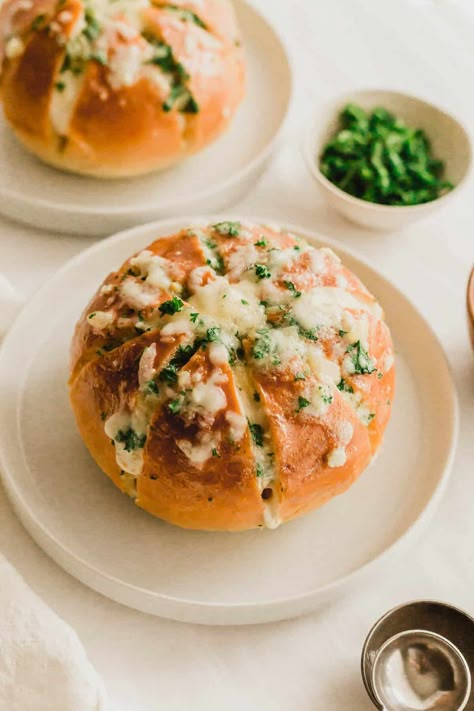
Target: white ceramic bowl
{"x":450,"y":140}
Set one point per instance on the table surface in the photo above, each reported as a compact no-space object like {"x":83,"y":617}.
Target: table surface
{"x":420,"y":46}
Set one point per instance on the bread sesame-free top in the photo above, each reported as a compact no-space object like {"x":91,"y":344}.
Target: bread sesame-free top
{"x":243,"y":376}
{"x":119,"y":87}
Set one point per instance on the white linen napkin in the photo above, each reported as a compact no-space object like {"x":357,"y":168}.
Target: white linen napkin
{"x":43,"y":666}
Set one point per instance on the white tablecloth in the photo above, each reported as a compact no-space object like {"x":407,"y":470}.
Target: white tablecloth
{"x":311,"y":663}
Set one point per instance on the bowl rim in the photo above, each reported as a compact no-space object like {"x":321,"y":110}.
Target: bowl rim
{"x":312,"y":164}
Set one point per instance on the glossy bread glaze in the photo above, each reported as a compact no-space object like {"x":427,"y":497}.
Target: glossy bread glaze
{"x":232,"y":376}
{"x":115,"y":88}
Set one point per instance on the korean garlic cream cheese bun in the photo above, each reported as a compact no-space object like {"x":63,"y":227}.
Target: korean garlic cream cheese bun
{"x":232,"y":376}
{"x":116,"y":88}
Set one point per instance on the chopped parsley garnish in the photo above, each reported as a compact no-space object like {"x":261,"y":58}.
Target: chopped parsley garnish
{"x":344,"y":386}
{"x":262,"y":346}
{"x":257,"y":434}
{"x":92,"y":29}
{"x":361,"y":360}
{"x":60,"y":86}
{"x":302,"y":403}
{"x":193,"y":317}
{"x":262,"y":242}
{"x":342,"y":333}
{"x":72,"y":64}
{"x":300,"y":376}
{"x":227,"y":229}
{"x":163,"y":57}
{"x":180,"y":98}
{"x":259,"y":471}
{"x":377,"y":157}
{"x":38,"y":22}
{"x":325,"y":397}
{"x":181,"y":357}
{"x":262,"y":271}
{"x":215,"y":453}
{"x":175,"y":405}
{"x":100,"y":58}
{"x":186,"y":15}
{"x":213,"y":334}
{"x":217,"y":263}
{"x":169,"y":374}
{"x":103,"y":416}
{"x":380,"y":375}
{"x":130,"y":439}
{"x":291,"y":287}
{"x":309,"y":333}
{"x":172,"y":306}
{"x":370,"y":416}
{"x":244,"y":302}
{"x":92,"y":315}
{"x":151,"y":388}
{"x":256,"y":396}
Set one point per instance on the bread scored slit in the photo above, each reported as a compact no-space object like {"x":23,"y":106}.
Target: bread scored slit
{"x":108,"y":387}
{"x":262,"y":443}
{"x":199,"y":455}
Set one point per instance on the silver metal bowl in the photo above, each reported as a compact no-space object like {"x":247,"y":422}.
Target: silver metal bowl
{"x":445,"y":620}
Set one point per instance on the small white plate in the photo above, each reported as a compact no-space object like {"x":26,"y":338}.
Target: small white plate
{"x":98,"y":534}
{"x":37,"y":194}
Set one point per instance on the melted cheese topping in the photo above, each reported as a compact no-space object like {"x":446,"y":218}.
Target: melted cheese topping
{"x":100,"y":320}
{"x":284,"y":331}
{"x":14,"y":47}
{"x":198,"y":454}
{"x":129,"y":460}
{"x":154,"y":269}
{"x":146,"y":369}
{"x":207,"y":397}
{"x":63,"y":101}
{"x":236,"y":307}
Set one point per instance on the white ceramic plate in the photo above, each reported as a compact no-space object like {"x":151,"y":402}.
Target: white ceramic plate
{"x":98,"y":535}
{"x":34,"y":193}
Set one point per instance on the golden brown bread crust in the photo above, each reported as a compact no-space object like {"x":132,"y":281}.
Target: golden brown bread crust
{"x":267,"y":432}
{"x":184,"y":254}
{"x":115,"y":124}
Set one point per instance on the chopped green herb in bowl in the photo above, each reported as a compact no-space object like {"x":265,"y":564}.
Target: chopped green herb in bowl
{"x":384,"y":159}
{"x":377,"y":157}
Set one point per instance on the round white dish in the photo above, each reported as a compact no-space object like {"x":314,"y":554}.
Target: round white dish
{"x":450,"y":140}
{"x":37,"y":194}
{"x":98,"y":535}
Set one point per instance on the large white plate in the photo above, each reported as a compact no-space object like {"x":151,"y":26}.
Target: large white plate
{"x":102,"y":538}
{"x":32,"y":192}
